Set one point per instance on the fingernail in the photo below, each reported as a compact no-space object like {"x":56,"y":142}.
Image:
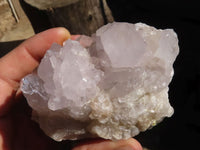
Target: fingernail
{"x":75,"y":37}
{"x":125,"y":148}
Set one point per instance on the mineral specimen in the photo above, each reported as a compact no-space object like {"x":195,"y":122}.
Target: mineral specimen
{"x":111,"y":85}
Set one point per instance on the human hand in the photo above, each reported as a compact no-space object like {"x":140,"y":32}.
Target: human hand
{"x":17,"y":130}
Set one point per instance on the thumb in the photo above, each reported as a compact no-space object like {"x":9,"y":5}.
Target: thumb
{"x":23,"y":60}
{"x":100,"y":144}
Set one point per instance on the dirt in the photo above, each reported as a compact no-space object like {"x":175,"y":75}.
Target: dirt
{"x":7,"y":21}
{"x":10,"y":29}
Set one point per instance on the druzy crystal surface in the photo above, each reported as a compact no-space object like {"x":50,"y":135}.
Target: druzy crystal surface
{"x":111,"y":85}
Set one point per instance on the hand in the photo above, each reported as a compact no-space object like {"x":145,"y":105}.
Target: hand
{"x":17,"y":130}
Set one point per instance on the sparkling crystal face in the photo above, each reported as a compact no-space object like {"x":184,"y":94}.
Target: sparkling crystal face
{"x":112,"y":85}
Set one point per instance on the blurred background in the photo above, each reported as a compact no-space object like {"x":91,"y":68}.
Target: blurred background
{"x":20,"y":20}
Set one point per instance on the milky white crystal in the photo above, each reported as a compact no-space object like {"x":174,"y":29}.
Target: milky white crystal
{"x":111,"y":85}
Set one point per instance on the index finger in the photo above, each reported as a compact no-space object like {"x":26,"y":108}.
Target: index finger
{"x":25,"y":58}
{"x":22,"y":61}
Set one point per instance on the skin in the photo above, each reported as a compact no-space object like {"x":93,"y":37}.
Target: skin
{"x":17,"y":130}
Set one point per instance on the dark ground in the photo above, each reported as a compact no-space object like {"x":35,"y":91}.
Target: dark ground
{"x":182,"y":131}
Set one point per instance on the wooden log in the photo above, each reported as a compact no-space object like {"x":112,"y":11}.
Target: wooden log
{"x":83,"y":17}
{"x":45,"y":4}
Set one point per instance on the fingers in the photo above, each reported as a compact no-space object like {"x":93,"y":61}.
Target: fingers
{"x":23,"y":59}
{"x":130,"y":144}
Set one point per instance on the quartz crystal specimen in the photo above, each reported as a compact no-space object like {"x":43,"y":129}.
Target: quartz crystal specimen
{"x":111,"y":85}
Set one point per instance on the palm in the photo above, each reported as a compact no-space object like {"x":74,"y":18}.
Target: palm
{"x":20,"y":132}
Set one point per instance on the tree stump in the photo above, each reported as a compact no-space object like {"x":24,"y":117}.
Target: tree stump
{"x":82,"y":17}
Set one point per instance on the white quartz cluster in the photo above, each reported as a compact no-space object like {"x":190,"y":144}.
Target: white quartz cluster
{"x":111,"y":85}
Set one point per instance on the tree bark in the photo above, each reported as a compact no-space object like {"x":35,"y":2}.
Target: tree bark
{"x":83,"y":17}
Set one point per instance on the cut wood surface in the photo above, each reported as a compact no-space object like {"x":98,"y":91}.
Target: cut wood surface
{"x":45,"y":4}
